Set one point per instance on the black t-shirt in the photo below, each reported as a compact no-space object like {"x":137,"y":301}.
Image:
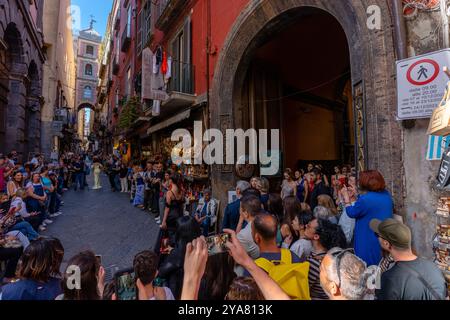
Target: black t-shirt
{"x":398,"y":283}
{"x":123,"y":172}
{"x":318,"y":190}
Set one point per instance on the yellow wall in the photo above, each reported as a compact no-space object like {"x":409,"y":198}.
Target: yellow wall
{"x":308,"y":135}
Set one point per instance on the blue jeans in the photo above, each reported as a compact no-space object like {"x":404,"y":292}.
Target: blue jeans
{"x":26,"y":229}
{"x":79,"y":181}
{"x":117,"y":182}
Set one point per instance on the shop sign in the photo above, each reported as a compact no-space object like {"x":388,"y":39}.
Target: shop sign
{"x":152,"y":84}
{"x":421,"y":84}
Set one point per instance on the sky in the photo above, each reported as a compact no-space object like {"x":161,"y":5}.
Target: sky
{"x":82,"y":11}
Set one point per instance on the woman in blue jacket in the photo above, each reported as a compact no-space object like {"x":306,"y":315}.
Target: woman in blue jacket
{"x":374,"y":202}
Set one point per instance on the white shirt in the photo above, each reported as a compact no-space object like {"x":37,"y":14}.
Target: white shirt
{"x":302,"y":248}
{"x":246,"y":239}
{"x":18,"y":202}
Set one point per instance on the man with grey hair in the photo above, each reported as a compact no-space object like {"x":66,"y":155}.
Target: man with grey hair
{"x":321,"y":212}
{"x":232,"y":213}
{"x":344,"y":276}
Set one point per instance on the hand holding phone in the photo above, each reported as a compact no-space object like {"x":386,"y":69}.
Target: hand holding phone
{"x":125,"y":285}
{"x":217,"y":243}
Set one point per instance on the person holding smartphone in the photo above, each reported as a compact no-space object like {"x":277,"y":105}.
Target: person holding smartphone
{"x":145,"y":266}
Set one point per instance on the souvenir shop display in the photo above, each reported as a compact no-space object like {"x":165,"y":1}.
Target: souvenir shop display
{"x":441,"y":241}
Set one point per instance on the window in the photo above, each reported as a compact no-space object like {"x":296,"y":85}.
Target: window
{"x":117,"y":98}
{"x":88,"y":70}
{"x":128,"y":82}
{"x":129,"y":15}
{"x":87,"y":94}
{"x":182,"y":73}
{"x":90,"y":50}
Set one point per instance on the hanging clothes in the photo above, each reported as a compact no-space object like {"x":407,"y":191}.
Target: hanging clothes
{"x":168,"y":74}
{"x":154,"y":64}
{"x":159,"y":56}
{"x":156,"y":108}
{"x":164,"y":63}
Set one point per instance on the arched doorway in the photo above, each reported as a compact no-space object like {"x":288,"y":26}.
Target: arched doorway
{"x":368,"y":75}
{"x":300,"y":91}
{"x":15,"y":71}
{"x":86,"y":115}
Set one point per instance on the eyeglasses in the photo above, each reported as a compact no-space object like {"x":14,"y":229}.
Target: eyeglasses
{"x":339,"y":255}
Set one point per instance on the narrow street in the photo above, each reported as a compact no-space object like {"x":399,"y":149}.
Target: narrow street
{"x":104,"y":222}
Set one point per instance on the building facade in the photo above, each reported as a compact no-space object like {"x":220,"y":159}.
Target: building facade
{"x":87,"y":54}
{"x":58,"y":78}
{"x":243,"y":64}
{"x":21,"y":60}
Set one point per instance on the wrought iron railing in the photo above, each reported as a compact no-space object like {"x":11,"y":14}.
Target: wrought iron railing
{"x":182,"y":79}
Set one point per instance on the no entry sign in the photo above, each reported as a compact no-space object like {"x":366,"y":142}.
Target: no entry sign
{"x":421,"y":84}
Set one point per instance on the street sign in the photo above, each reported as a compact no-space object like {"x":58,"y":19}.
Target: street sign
{"x":421,"y":84}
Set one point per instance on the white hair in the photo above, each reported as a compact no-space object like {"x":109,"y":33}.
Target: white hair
{"x":321,"y":213}
{"x":242,"y":185}
{"x":354,"y":275}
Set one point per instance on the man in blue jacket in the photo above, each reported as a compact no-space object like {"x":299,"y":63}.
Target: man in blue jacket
{"x":231,"y":216}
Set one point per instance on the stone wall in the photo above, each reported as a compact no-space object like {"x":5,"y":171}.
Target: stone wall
{"x":424,"y":34}
{"x":18,"y":31}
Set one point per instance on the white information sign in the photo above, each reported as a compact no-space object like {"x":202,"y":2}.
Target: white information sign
{"x":421,"y":84}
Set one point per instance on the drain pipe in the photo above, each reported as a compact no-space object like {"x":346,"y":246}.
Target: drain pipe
{"x":399,"y":29}
{"x":445,"y":35}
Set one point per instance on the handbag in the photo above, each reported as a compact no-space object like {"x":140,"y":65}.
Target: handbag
{"x":440,"y":119}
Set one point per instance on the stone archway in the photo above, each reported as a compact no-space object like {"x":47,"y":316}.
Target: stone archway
{"x":16,"y":99}
{"x":372,"y":71}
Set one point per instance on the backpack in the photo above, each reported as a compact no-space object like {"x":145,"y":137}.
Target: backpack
{"x":291,"y":277}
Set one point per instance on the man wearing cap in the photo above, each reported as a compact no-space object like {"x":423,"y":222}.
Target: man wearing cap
{"x":411,"y":278}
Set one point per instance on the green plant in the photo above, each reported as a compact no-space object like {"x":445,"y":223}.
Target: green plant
{"x":129,"y":113}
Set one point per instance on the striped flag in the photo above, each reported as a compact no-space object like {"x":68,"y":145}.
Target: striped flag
{"x":436,"y":147}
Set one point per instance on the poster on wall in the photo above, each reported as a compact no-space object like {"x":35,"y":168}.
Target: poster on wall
{"x":421,"y":84}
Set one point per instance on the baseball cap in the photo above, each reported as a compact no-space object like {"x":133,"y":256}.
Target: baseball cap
{"x":398,"y":234}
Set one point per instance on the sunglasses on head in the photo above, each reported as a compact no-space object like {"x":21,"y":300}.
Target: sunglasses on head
{"x":339,"y":255}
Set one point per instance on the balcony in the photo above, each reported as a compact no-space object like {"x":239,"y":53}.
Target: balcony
{"x":167,"y":12}
{"x":181,"y":86}
{"x":115,"y":67}
{"x":126,"y":38}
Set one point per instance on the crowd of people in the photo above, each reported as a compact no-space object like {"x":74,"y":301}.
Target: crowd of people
{"x":318,"y":237}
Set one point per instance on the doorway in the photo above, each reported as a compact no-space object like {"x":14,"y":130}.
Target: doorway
{"x":299,"y":81}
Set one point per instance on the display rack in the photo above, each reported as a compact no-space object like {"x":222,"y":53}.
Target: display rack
{"x":441,"y":240}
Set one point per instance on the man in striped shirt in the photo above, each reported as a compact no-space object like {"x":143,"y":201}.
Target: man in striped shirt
{"x":324,"y":236}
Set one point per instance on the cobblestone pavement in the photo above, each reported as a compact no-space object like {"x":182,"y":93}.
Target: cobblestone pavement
{"x":104,"y":222}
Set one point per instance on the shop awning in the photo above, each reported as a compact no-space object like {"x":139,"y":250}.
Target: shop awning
{"x":168,"y":122}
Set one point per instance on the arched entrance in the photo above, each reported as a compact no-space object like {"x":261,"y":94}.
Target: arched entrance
{"x":368,"y":76}
{"x":85,"y":122}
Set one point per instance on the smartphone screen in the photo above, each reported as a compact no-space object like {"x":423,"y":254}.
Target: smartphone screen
{"x":99,"y":258}
{"x":216,"y":243}
{"x":125,"y":285}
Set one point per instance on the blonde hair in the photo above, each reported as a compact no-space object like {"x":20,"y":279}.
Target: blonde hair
{"x":326,"y":201}
{"x":21,"y":193}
